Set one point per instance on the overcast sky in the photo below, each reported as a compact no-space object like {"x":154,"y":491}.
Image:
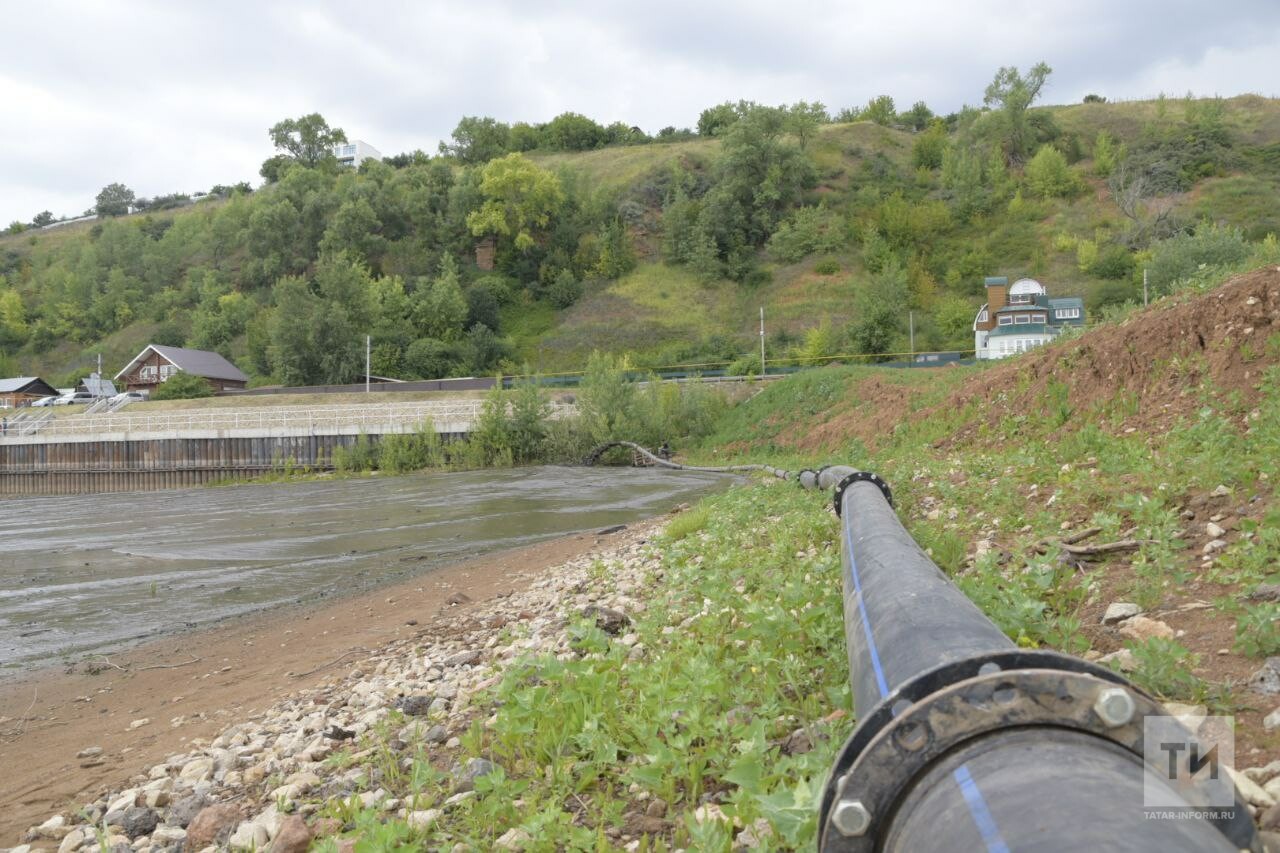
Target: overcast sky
{"x":176,"y":96}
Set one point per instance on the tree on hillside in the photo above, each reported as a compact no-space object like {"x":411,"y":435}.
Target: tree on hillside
{"x":804,"y":119}
{"x":439,"y":308}
{"x":308,"y":140}
{"x":930,"y":146}
{"x":416,"y":157}
{"x":354,"y":228}
{"x":714,"y":121}
{"x":13,"y":319}
{"x":114,"y":200}
{"x":42,"y":219}
{"x":918,"y":117}
{"x":573,"y":132}
{"x":880,"y":110}
{"x":1012,"y":94}
{"x":525,"y":137}
{"x":1048,"y":174}
{"x":520,"y":198}
{"x":762,"y":172}
{"x":478,"y":139}
{"x":878,"y":311}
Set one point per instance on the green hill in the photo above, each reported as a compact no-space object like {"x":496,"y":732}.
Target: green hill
{"x":664,"y":250}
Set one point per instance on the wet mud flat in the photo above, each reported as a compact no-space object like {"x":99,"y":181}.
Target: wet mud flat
{"x":91,"y":573}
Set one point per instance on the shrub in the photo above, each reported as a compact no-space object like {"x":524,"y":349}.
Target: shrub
{"x":1164,"y":668}
{"x":182,"y":386}
{"x":1049,"y":176}
{"x":1086,"y":255}
{"x":565,"y":290}
{"x":428,"y":358}
{"x":809,"y":230}
{"x":748,"y":365}
{"x":1064,"y":242}
{"x":927,"y":151}
{"x":362,"y":455}
{"x":1114,"y":262}
{"x":827,"y":266}
{"x":1106,"y":154}
{"x":410,"y":451}
{"x":1258,"y":630}
{"x":1180,"y":256}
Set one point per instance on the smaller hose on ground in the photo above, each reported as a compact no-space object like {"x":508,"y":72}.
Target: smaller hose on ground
{"x":594,"y":457}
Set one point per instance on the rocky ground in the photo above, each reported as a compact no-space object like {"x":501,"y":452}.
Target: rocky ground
{"x":321,"y":761}
{"x":262,"y":781}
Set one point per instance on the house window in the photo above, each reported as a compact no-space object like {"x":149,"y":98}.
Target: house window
{"x":1037,"y":318}
{"x":1067,"y":313}
{"x":148,"y":371}
{"x":1021,"y":299}
{"x":1005,"y":320}
{"x":1022,"y":319}
{"x":983,"y":316}
{"x":167,"y":370}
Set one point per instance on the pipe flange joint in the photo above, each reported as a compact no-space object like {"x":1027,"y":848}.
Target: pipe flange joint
{"x":861,"y":477}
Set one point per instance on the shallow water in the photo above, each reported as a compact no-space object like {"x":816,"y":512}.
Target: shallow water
{"x":91,"y":572}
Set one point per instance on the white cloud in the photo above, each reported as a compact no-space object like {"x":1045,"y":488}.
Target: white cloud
{"x":175,"y":97}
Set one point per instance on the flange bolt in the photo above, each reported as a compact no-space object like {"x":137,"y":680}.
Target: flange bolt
{"x":1114,"y":706}
{"x":851,"y":818}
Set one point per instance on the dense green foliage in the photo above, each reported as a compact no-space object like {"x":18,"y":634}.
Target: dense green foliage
{"x":658,"y":250}
{"x":517,"y":425}
{"x":182,"y":386}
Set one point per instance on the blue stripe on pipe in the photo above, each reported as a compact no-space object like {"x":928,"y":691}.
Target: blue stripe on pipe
{"x":981,"y":813}
{"x":862,"y":610}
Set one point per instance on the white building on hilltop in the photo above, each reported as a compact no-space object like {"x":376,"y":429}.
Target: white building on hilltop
{"x":355,"y":152}
{"x":1022,"y":317}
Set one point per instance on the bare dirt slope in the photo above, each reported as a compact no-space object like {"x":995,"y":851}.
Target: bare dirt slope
{"x":1154,"y":361}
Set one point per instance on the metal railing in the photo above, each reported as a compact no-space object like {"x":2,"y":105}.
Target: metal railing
{"x":26,"y":424}
{"x":382,"y":417}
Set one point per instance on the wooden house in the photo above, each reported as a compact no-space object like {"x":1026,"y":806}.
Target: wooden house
{"x":23,"y":391}
{"x":156,"y":363}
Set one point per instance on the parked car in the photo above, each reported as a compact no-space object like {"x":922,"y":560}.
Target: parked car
{"x":46,"y":401}
{"x":133,"y":396}
{"x":73,"y":397}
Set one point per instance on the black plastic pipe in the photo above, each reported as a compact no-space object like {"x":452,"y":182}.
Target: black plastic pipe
{"x":903,"y":616}
{"x":965,"y":741}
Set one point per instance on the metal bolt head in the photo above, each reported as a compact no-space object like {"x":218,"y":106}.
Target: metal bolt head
{"x":1114,"y":706}
{"x":851,"y":818}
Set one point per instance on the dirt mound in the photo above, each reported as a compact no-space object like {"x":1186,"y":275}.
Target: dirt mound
{"x":869,"y":415}
{"x":1154,"y":362}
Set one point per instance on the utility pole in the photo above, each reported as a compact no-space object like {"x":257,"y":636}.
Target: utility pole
{"x":1144,"y":286}
{"x":911,"y":326}
{"x":99,"y":365}
{"x":366,"y":363}
{"x":762,"y":372}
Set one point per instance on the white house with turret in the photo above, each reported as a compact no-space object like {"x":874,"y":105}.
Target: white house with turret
{"x":1022,"y":317}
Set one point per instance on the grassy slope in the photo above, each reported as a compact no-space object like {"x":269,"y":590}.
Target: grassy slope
{"x":633,"y":314}
{"x":618,"y":315}
{"x":989,"y":463}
